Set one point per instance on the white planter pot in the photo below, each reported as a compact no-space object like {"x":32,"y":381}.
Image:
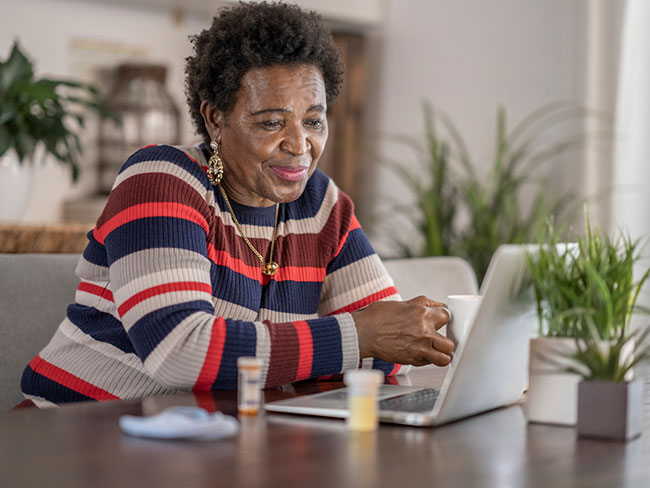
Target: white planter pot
{"x":15,"y":186}
{"x":552,"y":392}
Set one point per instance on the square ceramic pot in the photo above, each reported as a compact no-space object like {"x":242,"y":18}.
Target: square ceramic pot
{"x":610,"y":410}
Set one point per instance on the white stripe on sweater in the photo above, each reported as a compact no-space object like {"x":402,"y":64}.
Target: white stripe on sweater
{"x":178,"y":359}
{"x":362,"y":280}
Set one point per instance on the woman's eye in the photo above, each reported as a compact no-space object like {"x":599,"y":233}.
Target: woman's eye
{"x":271,"y":124}
{"x":315,"y":123}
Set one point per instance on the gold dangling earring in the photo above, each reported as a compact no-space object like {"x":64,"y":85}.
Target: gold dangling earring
{"x":215,"y":165}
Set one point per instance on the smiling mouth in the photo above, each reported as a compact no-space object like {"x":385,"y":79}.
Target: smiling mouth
{"x":290,"y":173}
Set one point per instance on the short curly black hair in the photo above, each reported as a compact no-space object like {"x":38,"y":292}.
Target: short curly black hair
{"x":255,"y":35}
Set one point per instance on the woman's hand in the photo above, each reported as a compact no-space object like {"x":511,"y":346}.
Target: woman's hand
{"x":404,"y":332}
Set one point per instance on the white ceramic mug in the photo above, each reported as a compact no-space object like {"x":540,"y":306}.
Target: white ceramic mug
{"x":462,"y":309}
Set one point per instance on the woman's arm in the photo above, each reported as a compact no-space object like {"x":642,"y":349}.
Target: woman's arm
{"x":389,"y":331}
{"x":356,"y":278}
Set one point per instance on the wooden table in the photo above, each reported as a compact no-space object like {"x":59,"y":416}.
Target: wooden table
{"x":82,"y":446}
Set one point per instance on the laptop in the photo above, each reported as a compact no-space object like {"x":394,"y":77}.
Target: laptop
{"x":489,"y":369}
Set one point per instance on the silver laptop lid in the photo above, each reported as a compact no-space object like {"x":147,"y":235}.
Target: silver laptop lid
{"x":489,"y":368}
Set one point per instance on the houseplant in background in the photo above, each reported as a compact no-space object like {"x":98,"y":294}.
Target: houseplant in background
{"x":459,"y":210}
{"x":585,"y":292}
{"x":38,"y":117}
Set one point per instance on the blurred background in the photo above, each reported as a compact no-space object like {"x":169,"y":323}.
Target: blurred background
{"x":421,"y":76}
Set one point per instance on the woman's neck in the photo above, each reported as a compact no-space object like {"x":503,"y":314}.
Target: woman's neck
{"x":247,"y":199}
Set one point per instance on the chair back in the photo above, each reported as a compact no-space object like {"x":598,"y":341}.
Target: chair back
{"x":436,"y":277}
{"x":35,"y":290}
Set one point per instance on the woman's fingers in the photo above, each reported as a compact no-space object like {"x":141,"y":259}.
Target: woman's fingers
{"x":434,"y":356}
{"x":443,"y":344}
{"x":426,"y":301}
{"x":441,"y":317}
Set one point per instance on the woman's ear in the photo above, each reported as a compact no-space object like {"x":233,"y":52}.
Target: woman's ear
{"x":213,"y":119}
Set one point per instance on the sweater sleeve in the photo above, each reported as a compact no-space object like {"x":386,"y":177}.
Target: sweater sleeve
{"x":356,"y":277}
{"x":155,"y":230}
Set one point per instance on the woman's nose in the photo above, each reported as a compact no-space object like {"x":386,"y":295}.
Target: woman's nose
{"x":295,"y":141}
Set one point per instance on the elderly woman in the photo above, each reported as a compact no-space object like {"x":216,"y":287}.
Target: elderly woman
{"x":238,"y":246}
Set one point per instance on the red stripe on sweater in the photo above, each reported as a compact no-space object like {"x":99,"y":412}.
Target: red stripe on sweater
{"x":306,"y":350}
{"x":58,"y":375}
{"x":391,"y":380}
{"x":205,"y":400}
{"x":283,"y":363}
{"x":300,"y":273}
{"x":100,"y":291}
{"x":222,"y":258}
{"x":354,"y":224}
{"x":160,"y":289}
{"x":285,"y":273}
{"x":386,"y":292}
{"x":212,"y":361}
{"x":395,"y":369}
{"x":145,"y":210}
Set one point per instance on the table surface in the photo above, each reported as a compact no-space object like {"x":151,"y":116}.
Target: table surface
{"x":81,"y":445}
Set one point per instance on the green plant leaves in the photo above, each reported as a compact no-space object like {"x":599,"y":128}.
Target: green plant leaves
{"x":37,"y":112}
{"x":597,"y":278}
{"x":591,"y":295}
{"x":488,"y":203}
{"x":16,"y":69}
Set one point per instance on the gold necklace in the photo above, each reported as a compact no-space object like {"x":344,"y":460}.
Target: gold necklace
{"x":268,"y":268}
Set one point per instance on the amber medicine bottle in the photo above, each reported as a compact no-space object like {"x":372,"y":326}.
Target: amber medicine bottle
{"x":249,"y":394}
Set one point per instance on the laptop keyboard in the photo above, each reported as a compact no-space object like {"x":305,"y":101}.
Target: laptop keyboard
{"x":418,"y":401}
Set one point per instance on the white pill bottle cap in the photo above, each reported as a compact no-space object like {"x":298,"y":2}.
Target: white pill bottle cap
{"x":363,"y":380}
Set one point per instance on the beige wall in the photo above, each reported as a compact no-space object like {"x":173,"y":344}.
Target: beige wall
{"x":466,"y":56}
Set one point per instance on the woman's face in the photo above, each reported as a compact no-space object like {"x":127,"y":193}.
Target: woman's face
{"x":271,"y":140}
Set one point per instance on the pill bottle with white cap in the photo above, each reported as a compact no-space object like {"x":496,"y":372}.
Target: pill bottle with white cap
{"x":249,"y":394}
{"x":363,"y":385}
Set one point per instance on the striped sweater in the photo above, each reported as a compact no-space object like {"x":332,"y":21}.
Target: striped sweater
{"x":170,"y":295}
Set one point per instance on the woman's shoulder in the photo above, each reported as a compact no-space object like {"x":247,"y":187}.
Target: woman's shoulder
{"x":185,"y":162}
{"x":182,"y":156}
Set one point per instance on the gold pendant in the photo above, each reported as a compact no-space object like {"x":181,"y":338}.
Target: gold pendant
{"x":270,"y":268}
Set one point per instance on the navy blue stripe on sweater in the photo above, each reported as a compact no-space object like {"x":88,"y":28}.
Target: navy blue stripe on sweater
{"x":169,"y":154}
{"x":292,"y":296}
{"x":356,"y":247}
{"x":324,"y":355}
{"x":311,"y":200}
{"x":150,"y":232}
{"x":383,"y":366}
{"x":95,"y":252}
{"x":33,"y":383}
{"x":151,"y":329}
{"x":240,"y":290}
{"x":241,"y":340}
{"x":101,"y":326}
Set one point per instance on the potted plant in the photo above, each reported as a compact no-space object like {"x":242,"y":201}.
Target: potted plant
{"x":610,"y":403}
{"x":585,"y":291}
{"x":38,"y":116}
{"x":460,"y":209}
